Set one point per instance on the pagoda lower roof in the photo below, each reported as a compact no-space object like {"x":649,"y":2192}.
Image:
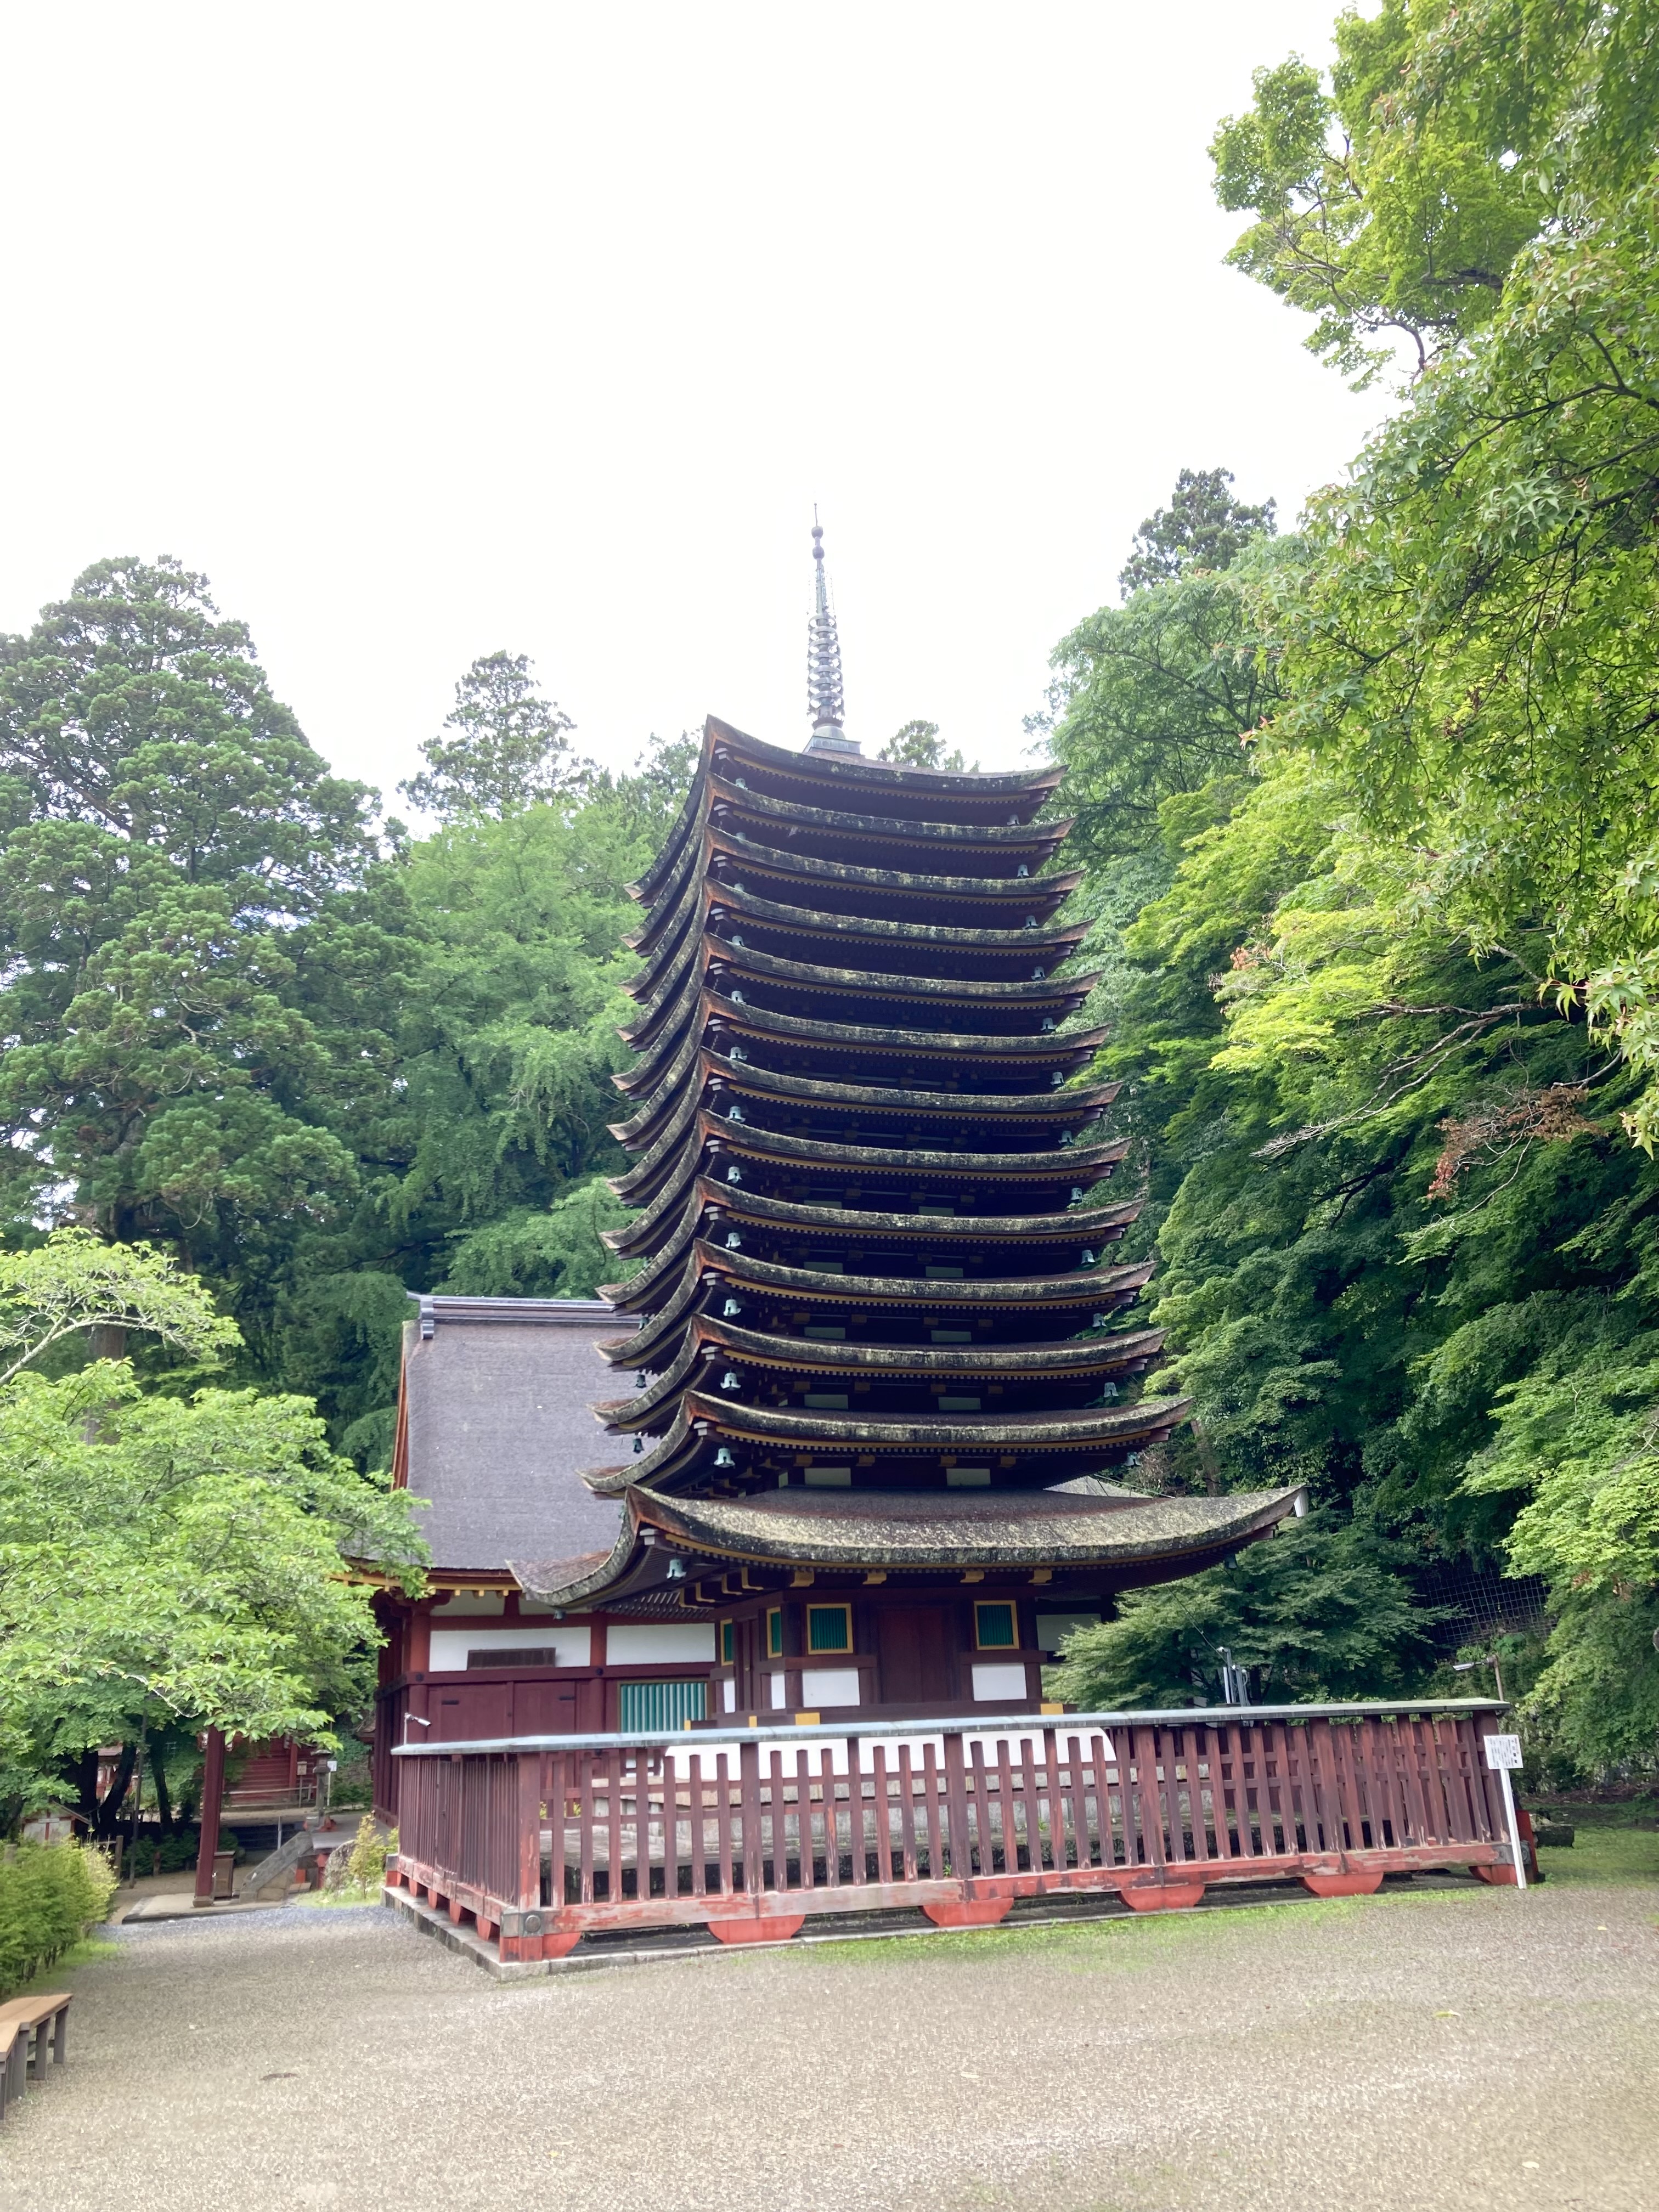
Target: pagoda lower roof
{"x":1083,"y":1163}
{"x":889,"y":940}
{"x":1101,"y":1354}
{"x":740,"y":1204}
{"x":720,"y":979}
{"x":995,"y":841}
{"x":893,"y":1532}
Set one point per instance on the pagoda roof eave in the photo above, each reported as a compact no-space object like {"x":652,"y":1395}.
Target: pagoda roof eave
{"x":861,"y":983}
{"x":829,"y":774}
{"x":836,"y":771}
{"x":971,"y":990}
{"x":703,"y":1422}
{"x":661,"y":1093}
{"x":948,"y":1044}
{"x":708,"y":1341}
{"x":896,"y":1532}
{"x":696,"y":1065}
{"x":995,"y":891}
{"x":646,"y":1081}
{"x":1103,"y":1287}
{"x":1085,"y":1430}
{"x":941,"y":1231}
{"x":1037,"y":836}
{"x":807,"y":922}
{"x":693,"y":1068}
{"x":745,"y":1205}
{"x":692,"y":860}
{"x":746,"y":1141}
{"x":1071,"y":1287}
{"x":1097,"y":1353}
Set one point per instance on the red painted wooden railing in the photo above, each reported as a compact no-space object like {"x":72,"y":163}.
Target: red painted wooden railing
{"x":542,"y":1841}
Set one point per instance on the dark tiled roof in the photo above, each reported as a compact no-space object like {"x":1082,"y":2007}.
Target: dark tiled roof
{"x":497,"y":1399}
{"x":1116,"y":1530}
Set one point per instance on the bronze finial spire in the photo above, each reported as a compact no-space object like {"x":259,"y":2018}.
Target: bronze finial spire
{"x":823,"y":694}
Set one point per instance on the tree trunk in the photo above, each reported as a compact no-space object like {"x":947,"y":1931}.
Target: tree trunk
{"x":80,"y":1775}
{"x":158,"y":1767}
{"x":109,"y":1810}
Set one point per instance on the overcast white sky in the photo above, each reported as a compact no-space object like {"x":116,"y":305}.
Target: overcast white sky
{"x":427,"y":331}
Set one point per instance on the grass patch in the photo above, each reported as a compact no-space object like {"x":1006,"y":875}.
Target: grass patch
{"x":1114,"y":1942}
{"x":1604,"y":1851}
{"x":78,"y":1954}
{"x":327,"y":1900}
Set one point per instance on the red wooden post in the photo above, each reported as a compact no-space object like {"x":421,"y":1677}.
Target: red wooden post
{"x":529,"y":1896}
{"x":213,"y":1790}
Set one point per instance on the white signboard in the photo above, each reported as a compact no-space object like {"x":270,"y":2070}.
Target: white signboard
{"x":1504,"y":1751}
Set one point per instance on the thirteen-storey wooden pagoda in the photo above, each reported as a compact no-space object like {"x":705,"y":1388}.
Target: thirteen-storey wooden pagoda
{"x":882,"y":1351}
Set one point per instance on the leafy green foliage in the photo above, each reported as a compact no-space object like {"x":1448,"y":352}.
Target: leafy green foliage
{"x":50,"y":1895}
{"x":506,"y":748}
{"x":163,"y":1558}
{"x":1318,"y":1610}
{"x":317,"y":1070}
{"x":1203,"y":529}
{"x":75,"y":1284}
{"x":1156,"y":698}
{"x":1364,"y":1014}
{"x":1394,"y":203}
{"x":1392,"y":1203}
{"x":169,"y":839}
{"x":918,"y":744}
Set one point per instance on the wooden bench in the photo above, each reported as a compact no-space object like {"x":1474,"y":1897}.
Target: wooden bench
{"x":26,"y":2026}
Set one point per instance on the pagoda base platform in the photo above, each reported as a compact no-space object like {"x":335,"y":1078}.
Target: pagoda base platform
{"x":749,"y":1835}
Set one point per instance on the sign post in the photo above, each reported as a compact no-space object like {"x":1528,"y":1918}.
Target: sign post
{"x":1503,"y":1756}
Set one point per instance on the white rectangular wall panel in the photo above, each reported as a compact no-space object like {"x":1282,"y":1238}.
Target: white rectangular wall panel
{"x":1000,"y":1680}
{"x":829,"y":1686}
{"x":657,"y":1643}
{"x":450,"y":1646}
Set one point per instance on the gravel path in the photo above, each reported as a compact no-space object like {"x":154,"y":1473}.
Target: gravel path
{"x":1464,"y":2048}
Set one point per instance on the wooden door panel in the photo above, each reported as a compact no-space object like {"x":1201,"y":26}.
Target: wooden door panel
{"x":913,"y":1645}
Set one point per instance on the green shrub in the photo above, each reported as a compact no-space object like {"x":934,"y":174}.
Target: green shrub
{"x":360,"y":1872}
{"x":50,"y":1894}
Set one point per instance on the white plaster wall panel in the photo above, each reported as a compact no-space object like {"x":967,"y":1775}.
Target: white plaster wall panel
{"x":1000,"y":1680}
{"x":829,"y":1686}
{"x":450,"y":1646}
{"x":657,"y":1643}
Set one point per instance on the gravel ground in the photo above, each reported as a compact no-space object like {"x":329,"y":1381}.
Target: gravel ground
{"x":1467,"y":2048}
